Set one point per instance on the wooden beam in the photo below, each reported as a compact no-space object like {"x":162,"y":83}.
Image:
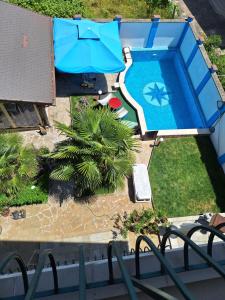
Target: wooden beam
{"x":7,"y":115}
{"x":38,"y":114}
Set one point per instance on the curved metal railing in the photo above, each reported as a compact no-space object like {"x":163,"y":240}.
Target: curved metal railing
{"x":36,"y":277}
{"x":22,"y":266}
{"x":213,"y":231}
{"x":167,"y":266}
{"x":196,"y":248}
{"x":126,"y":278}
{"x":130,"y":282}
{"x":211,"y":238}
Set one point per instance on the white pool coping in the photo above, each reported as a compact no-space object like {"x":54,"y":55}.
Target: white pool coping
{"x":140,"y":112}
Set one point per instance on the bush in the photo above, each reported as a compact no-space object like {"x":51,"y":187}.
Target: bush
{"x":213,"y":42}
{"x":146,"y":221}
{"x":53,"y":8}
{"x":20,"y":168}
{"x":28,"y":195}
{"x":18,"y":164}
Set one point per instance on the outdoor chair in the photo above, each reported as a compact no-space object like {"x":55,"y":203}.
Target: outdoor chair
{"x":105,"y":99}
{"x":121,"y":113}
{"x":142,"y":188}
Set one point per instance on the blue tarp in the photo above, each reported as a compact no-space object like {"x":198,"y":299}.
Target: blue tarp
{"x":84,"y":46}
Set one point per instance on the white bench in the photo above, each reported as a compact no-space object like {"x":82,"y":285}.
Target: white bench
{"x":141,"y":183}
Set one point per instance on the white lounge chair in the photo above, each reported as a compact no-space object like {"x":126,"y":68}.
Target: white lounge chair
{"x":121,"y":113}
{"x":142,"y":188}
{"x":105,"y":99}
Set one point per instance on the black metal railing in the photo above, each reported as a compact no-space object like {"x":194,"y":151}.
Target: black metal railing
{"x":166,"y":265}
{"x":36,"y":277}
{"x":214,"y":232}
{"x":196,"y":249}
{"x":126,"y":278}
{"x":82,"y":275}
{"x":131,"y":282}
{"x":22,"y":267}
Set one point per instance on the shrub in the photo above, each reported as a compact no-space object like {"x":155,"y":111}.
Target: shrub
{"x":213,"y":42}
{"x":53,"y":8}
{"x":18,"y":164}
{"x":20,"y":168}
{"x":146,"y":221}
{"x":30,"y":195}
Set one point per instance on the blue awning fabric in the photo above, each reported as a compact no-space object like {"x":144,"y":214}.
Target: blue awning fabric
{"x":84,"y":46}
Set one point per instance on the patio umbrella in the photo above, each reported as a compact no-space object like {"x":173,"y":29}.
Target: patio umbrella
{"x":84,"y":46}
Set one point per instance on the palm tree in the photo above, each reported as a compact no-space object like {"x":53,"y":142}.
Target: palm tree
{"x":98,"y":151}
{"x":18,"y":164}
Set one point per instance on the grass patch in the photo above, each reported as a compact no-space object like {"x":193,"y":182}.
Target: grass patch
{"x":126,"y":8}
{"x":186,"y":178}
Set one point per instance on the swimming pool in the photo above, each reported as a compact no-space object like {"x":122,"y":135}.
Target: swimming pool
{"x":158,"y":81}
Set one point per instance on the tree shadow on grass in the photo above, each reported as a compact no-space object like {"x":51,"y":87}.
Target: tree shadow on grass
{"x":215,"y":171}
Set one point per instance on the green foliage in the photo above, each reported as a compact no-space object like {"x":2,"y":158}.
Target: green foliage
{"x":99,"y":8}
{"x":213,"y":42}
{"x":186,"y":178}
{"x":146,"y":221}
{"x":153,"y":4}
{"x":127,"y":8}
{"x":18,"y":164}
{"x":53,"y":8}
{"x":97,"y":153}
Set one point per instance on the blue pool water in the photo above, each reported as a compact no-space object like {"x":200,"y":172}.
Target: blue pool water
{"x":158,"y":82}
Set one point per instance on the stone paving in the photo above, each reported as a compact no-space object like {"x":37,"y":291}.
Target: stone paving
{"x":63,"y":217}
{"x":60,"y":113}
{"x":56,"y":222}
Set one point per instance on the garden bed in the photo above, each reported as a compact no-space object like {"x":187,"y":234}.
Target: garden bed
{"x":186,"y":178}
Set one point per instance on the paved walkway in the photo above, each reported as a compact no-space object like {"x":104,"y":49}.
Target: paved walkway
{"x":60,"y":113}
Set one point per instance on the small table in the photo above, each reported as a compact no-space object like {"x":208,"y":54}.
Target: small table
{"x":115,"y":103}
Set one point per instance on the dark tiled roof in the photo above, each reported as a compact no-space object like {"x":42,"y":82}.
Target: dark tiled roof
{"x":26,"y":56}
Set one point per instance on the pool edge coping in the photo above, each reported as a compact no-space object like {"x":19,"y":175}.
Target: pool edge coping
{"x":128,"y":97}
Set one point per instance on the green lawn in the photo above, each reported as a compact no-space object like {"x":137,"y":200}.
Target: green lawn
{"x":186,"y":178}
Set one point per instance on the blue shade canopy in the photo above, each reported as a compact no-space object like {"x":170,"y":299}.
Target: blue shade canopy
{"x":84,"y":46}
